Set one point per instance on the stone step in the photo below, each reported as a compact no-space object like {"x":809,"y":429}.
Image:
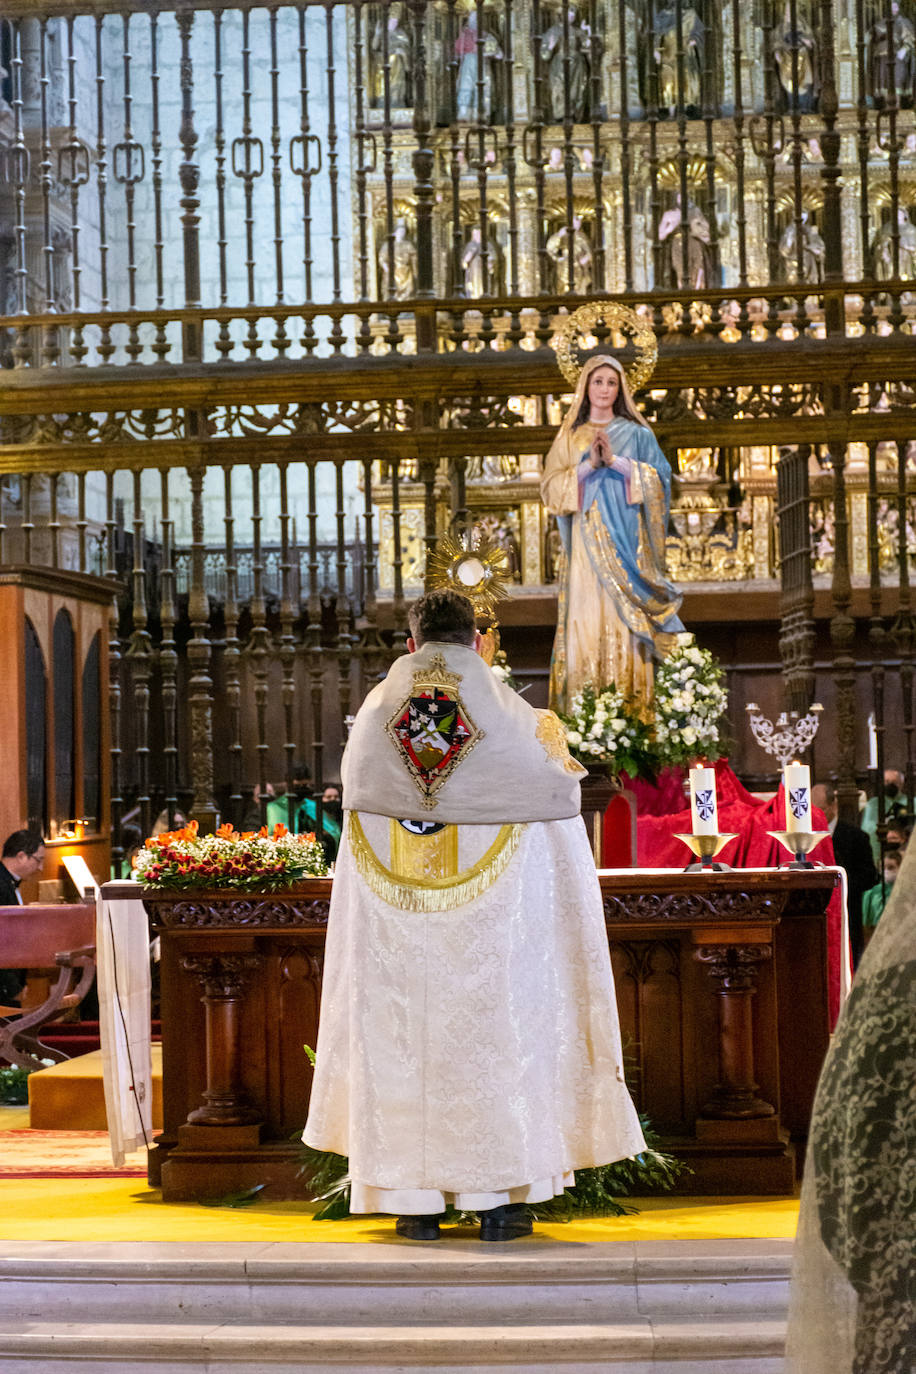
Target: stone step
{"x":724,"y":1346}
{"x":644,"y":1308}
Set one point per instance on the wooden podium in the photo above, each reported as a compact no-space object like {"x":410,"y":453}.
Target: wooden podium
{"x":721,"y":983}
{"x":54,"y":707}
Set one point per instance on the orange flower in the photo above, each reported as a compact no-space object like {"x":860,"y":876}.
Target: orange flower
{"x":280,"y":830}
{"x":225,"y":832}
{"x":188,"y":832}
{"x":262,"y":833}
{"x":307,"y":839}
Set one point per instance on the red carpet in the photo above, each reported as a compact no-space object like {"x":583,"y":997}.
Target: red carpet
{"x":51,"y":1154}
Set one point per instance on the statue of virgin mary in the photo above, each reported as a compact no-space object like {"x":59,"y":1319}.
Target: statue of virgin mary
{"x":609,"y":485}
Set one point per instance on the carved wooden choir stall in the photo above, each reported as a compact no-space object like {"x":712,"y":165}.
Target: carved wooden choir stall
{"x":54,"y":707}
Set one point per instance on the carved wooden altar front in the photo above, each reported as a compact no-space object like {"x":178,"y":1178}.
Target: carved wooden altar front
{"x":721,"y":984}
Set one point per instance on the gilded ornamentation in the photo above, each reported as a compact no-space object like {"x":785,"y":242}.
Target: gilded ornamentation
{"x":551,"y":733}
{"x":432,"y":894}
{"x":424,"y":856}
{"x":474,"y":565}
{"x":823,"y":534}
{"x":618,"y":317}
{"x":712,"y":541}
{"x":531,"y":516}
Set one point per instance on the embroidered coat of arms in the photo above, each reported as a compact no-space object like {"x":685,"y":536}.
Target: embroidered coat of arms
{"x":432,"y":730}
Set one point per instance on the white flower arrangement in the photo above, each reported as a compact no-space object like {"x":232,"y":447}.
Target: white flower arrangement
{"x":501,"y":670}
{"x":601,"y":727}
{"x":690,"y":701}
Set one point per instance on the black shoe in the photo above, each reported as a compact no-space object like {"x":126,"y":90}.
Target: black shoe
{"x":418,"y":1228}
{"x":508,"y":1222}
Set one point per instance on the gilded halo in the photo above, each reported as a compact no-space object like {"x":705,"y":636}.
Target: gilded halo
{"x":620,"y":317}
{"x":476,"y":566}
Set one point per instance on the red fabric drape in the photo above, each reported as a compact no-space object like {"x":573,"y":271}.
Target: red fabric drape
{"x":663,"y":810}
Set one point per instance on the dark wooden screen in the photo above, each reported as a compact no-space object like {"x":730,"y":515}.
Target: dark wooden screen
{"x":36,"y":731}
{"x":64,"y":721}
{"x":92,"y":733}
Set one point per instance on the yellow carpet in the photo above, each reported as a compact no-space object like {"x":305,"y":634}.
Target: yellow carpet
{"x":72,"y":1094}
{"x":14,"y":1118}
{"x":97,"y":1209}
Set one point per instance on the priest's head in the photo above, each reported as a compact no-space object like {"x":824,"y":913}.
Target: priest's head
{"x":443,"y":617}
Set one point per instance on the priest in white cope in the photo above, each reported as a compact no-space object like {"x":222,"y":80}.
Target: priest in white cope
{"x":469,"y":1047}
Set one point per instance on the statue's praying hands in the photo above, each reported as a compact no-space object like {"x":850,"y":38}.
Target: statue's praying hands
{"x":602,"y":456}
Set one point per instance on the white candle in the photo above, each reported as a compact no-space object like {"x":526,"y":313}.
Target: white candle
{"x":872,"y":741}
{"x":704,"y":813}
{"x":797,"y":782}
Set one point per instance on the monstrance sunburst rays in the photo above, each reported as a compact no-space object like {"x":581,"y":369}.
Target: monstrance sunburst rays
{"x":473,"y":564}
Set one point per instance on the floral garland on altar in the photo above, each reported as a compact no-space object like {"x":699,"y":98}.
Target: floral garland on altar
{"x":253,"y":861}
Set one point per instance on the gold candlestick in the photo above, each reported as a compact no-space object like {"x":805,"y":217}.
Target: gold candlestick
{"x":706,"y":847}
{"x":799,"y":844}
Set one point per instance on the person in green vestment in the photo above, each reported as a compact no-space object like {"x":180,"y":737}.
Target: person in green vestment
{"x":876,"y":898}
{"x":305,"y":811}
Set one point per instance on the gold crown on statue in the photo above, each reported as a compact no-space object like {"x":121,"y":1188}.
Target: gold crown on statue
{"x":620,"y":318}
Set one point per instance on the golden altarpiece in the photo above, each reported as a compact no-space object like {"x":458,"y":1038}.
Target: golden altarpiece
{"x":283,"y":286}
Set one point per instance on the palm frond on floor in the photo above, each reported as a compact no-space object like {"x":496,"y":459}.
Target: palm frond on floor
{"x":596,"y":1193}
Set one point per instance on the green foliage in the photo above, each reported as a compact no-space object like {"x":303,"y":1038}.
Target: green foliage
{"x":689,"y":703}
{"x":604,"y":726}
{"x":595,"y":1194}
{"x":14,"y":1090}
{"x":247,"y":862}
{"x":328,"y":1182}
{"x":242,"y":1199}
{"x":597,"y":1190}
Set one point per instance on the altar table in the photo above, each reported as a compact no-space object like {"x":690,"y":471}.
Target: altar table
{"x":721,"y":983}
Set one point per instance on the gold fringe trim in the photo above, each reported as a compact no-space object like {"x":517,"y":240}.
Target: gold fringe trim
{"x":423,"y":857}
{"x":431,"y":894}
